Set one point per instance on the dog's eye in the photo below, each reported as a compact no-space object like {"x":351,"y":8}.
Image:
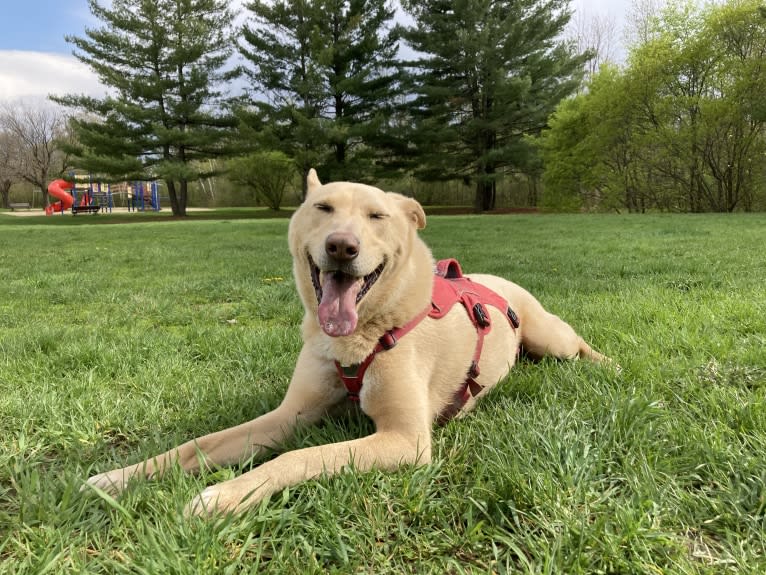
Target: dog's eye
{"x":326,"y":208}
{"x":378,"y":216}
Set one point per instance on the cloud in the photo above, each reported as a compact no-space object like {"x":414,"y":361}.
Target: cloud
{"x":35,"y":75}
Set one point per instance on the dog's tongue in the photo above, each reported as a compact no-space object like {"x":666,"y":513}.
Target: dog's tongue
{"x":337,"y":310}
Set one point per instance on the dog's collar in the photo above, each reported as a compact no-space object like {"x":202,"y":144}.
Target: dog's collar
{"x":449,"y":288}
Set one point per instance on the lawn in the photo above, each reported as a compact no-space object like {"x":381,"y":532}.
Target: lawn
{"x":120,"y":341}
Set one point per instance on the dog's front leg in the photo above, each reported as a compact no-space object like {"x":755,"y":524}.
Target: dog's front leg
{"x":396,"y":401}
{"x":381,"y":450}
{"x":306,"y":401}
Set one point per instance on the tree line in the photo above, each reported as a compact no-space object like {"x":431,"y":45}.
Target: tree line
{"x":680,"y":127}
{"x":464,"y":91}
{"x":336,"y":84}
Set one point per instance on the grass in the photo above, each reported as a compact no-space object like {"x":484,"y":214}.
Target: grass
{"x":121,"y":341}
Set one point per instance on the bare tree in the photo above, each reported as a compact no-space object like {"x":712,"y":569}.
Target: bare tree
{"x":640,"y":20}
{"x":8,"y":149}
{"x":595,"y":34}
{"x":35,"y":132}
{"x":207,"y":181}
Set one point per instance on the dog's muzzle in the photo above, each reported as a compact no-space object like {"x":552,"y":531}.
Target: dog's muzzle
{"x":338,"y":294}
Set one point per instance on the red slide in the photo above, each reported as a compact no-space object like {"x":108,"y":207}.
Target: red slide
{"x":57,"y":189}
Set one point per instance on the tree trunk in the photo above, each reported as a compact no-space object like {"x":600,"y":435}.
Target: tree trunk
{"x":5,"y":192}
{"x":177,"y":200}
{"x":340,"y":154}
{"x":340,"y":147}
{"x":486,"y":185}
{"x":183,"y":198}
{"x":532,"y":192}
{"x":486,"y":190}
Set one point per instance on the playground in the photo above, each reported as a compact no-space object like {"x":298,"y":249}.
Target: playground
{"x":86,"y":194}
{"x":37,"y":212}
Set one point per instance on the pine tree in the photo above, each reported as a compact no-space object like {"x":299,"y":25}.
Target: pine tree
{"x":280,"y":48}
{"x":325,"y":77}
{"x":163,"y":62}
{"x":490,"y":73}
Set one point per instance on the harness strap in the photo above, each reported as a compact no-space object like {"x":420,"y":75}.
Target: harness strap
{"x":450,"y":287}
{"x":352,"y":375}
{"x":449,"y":268}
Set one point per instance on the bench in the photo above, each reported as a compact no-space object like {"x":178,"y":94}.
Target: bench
{"x":18,"y":205}
{"x":90,"y":209}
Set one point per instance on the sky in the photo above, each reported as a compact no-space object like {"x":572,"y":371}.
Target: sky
{"x":36,"y":60}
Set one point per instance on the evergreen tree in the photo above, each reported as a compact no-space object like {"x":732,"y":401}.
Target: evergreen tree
{"x":163,"y":62}
{"x":490,"y":73}
{"x":324,"y":76}
{"x":280,"y":46}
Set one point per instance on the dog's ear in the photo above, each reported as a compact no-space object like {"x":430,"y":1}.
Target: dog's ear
{"x":413,"y":209}
{"x":312,"y":181}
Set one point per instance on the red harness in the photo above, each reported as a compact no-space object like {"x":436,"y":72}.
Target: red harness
{"x":449,"y":288}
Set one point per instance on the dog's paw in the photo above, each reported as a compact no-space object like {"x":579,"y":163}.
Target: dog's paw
{"x":610,"y":363}
{"x":111,"y":482}
{"x":206,"y":504}
{"x":233,"y":496}
{"x":217,"y":500}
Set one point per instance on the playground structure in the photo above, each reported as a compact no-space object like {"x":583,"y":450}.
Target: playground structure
{"x":82,"y":193}
{"x":143,"y":196}
{"x":58,"y":189}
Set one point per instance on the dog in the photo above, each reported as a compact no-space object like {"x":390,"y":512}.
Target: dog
{"x":362,"y":272}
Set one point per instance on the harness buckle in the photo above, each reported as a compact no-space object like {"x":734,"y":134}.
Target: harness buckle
{"x":350,"y":371}
{"x":514,"y":319}
{"x":387,"y":341}
{"x":481,"y":315}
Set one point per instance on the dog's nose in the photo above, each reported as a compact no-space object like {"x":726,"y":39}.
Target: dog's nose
{"x":342,"y":246}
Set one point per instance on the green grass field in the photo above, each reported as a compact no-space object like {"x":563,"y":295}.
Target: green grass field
{"x":119,"y":341}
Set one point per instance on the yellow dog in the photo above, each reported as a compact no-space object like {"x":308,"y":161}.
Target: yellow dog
{"x":361,"y":270}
